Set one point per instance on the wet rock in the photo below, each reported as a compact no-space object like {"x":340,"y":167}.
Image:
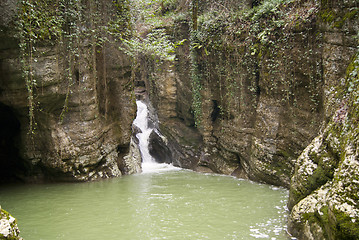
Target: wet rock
{"x":185,"y":143}
{"x":158,"y":148}
{"x":132,"y":161}
{"x":135,"y":131}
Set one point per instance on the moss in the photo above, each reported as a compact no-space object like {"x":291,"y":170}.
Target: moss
{"x":295,"y":197}
{"x":322,"y":219}
{"x":344,"y":227}
{"x":279,"y":165}
{"x":310,"y":217}
{"x":325,"y":216}
{"x":285,"y":154}
{"x":327,"y":15}
{"x":318,"y":178}
{"x":348,"y":16}
{"x":337,"y":20}
{"x":5,"y":215}
{"x":352,"y":65}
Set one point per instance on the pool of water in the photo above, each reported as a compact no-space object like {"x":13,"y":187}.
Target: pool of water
{"x":172,"y":204}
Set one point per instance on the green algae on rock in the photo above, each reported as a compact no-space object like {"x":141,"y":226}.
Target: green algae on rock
{"x":8,"y":226}
{"x":326,"y":206}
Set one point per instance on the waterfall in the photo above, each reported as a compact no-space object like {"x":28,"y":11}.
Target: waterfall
{"x":143,"y":136}
{"x":148,"y":162}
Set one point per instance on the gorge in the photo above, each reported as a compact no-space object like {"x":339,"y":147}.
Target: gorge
{"x":260,"y":90}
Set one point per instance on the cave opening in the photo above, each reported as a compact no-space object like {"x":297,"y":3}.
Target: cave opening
{"x":11,"y":164}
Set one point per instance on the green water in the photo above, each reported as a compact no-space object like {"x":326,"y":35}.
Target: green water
{"x":176,"y":204}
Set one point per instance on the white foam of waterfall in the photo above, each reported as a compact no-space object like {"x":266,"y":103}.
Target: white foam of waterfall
{"x":148,"y":162}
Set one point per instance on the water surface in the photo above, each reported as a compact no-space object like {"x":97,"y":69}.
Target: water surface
{"x":176,"y":204}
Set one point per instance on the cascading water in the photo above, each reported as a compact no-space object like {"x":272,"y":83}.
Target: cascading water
{"x":148,"y":162}
{"x":141,"y":122}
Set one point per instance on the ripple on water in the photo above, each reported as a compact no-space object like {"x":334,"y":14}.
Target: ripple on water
{"x":163,"y":204}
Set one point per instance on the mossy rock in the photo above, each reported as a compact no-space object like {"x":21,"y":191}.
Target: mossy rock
{"x":8,"y":226}
{"x":345,"y":227}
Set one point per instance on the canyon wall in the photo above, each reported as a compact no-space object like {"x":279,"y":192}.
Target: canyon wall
{"x":77,"y":82}
{"x":324,"y":191}
{"x":250,"y":89}
{"x":324,"y":199}
{"x":263,"y":80}
{"x":256,"y":89}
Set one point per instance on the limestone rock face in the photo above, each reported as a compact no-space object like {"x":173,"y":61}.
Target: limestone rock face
{"x":158,"y":148}
{"x":324,"y":189}
{"x":83,"y":122}
{"x":132,"y":160}
{"x":8,"y":226}
{"x":177,"y":141}
{"x":264,"y":95}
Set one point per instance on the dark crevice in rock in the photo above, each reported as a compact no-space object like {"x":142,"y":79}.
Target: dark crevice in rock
{"x":257,"y":79}
{"x":216,"y":111}
{"x":12,"y":166}
{"x":122,"y":151}
{"x":77,"y":76}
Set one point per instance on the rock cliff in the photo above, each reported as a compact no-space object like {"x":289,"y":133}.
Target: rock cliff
{"x":254,"y":92}
{"x":324,"y":198}
{"x":256,"y":89}
{"x":250,"y":88}
{"x":66,"y":93}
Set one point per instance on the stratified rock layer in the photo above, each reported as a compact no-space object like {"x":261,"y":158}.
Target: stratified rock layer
{"x":83,"y":122}
{"x":265,"y":85}
{"x":249,"y":92}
